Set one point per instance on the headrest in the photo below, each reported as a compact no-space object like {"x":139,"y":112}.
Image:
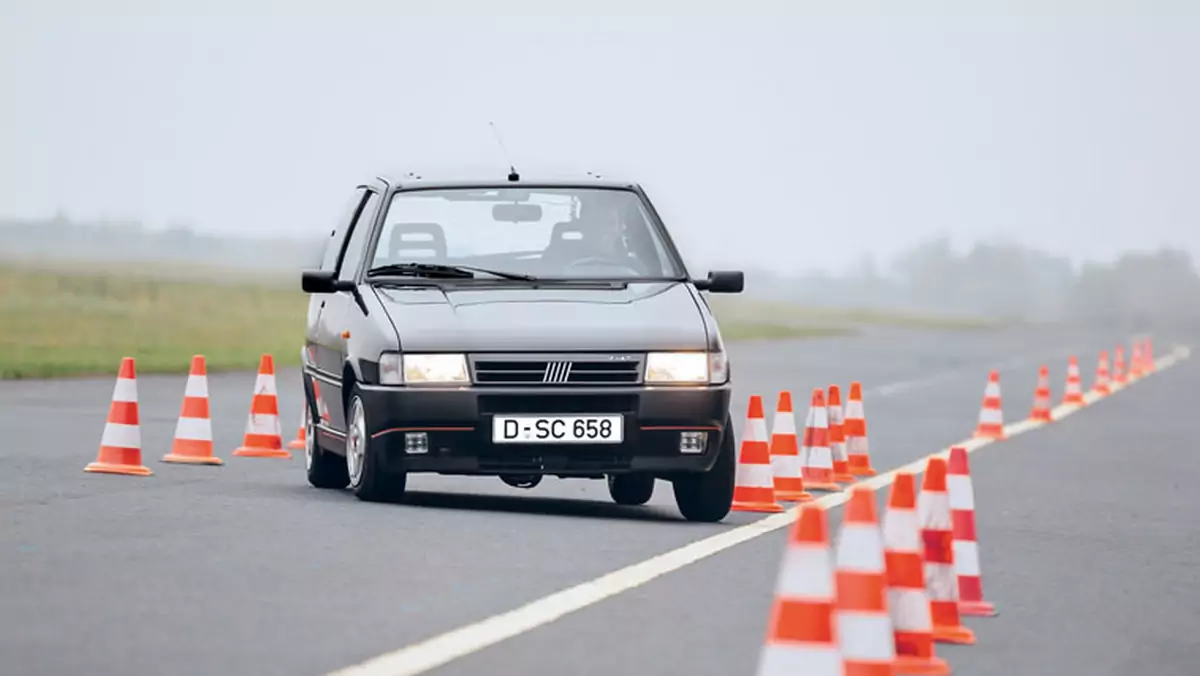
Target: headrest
{"x":409,"y":237}
{"x":567,"y":230}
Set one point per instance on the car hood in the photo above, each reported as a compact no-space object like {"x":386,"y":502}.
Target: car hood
{"x":643,"y":316}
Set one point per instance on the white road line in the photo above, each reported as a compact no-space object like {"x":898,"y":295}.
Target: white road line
{"x":439,"y":650}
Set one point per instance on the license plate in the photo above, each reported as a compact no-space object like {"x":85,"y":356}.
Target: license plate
{"x":558,"y":429}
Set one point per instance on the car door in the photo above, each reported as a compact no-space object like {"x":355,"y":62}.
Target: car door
{"x":324,"y":367}
{"x":334,"y":315}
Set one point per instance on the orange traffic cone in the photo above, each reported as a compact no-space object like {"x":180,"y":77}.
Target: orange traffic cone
{"x":1041,"y":397}
{"x":837,"y":437}
{"x":121,"y":443}
{"x":1101,"y":385}
{"x":864,"y":627}
{"x":991,"y":415}
{"x":937,"y":538}
{"x":754,"y":480}
{"x":1148,"y":355}
{"x":1073,"y":392}
{"x":1136,"y":363}
{"x":801,"y":631}
{"x":193,"y":433}
{"x":298,"y":443}
{"x":966,"y":547}
{"x":785,"y":453}
{"x":856,"y":433}
{"x":907,"y":600}
{"x":1118,"y":368}
{"x":263,"y":438}
{"x":816,"y":454}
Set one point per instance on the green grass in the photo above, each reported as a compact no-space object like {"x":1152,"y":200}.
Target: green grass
{"x":60,"y":319}
{"x":59,"y":323}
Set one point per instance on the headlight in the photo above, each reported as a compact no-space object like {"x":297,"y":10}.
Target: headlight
{"x":417,"y":369}
{"x":435,"y":368}
{"x":686,"y":367}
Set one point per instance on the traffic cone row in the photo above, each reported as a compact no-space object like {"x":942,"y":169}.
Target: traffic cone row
{"x":833,"y":451}
{"x":879,"y":600}
{"x":121,"y":444}
{"x":786,"y":465}
{"x":991,"y":415}
{"x":1141,"y":363}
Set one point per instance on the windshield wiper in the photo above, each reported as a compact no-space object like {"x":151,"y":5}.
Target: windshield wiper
{"x":441,"y":270}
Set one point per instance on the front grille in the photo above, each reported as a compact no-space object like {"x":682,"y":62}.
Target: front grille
{"x":588,"y":370}
{"x":563,"y":403}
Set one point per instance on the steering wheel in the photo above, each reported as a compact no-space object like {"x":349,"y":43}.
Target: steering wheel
{"x":600,"y":261}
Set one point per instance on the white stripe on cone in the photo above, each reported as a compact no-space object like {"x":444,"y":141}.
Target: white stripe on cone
{"x":755,"y":476}
{"x":807,"y":572}
{"x":194,"y":429}
{"x":811,"y":660}
{"x":120,"y":435}
{"x":125,"y":390}
{"x":866,"y":636}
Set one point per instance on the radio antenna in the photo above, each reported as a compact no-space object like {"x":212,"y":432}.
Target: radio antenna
{"x":512,"y":170}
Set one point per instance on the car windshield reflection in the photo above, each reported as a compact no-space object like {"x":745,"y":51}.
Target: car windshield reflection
{"x":524,"y":233}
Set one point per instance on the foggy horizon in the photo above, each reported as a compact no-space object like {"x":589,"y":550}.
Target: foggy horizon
{"x":796,"y":138}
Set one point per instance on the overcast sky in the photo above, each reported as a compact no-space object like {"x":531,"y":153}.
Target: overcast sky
{"x":786,"y":133}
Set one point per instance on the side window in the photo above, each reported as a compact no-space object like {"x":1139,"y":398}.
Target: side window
{"x":333,"y":246}
{"x":358,"y":237}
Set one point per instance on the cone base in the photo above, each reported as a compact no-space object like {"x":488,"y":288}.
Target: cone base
{"x":793,"y":496}
{"x":192,"y":459}
{"x":845,"y":478}
{"x":111,"y":468}
{"x":765,"y":507}
{"x":251,"y":452}
{"x":990,"y":434}
{"x":977,"y":608}
{"x":1041,"y":417}
{"x":822,"y":486}
{"x":921,"y":666}
{"x":296,"y":444}
{"x":863,"y":471}
{"x":960,"y":635}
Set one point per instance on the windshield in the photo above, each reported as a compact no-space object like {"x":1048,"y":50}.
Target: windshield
{"x":567,"y":233}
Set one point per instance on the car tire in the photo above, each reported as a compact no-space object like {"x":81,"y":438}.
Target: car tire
{"x":631,"y":489}
{"x":368,"y":479}
{"x":325,"y":470}
{"x":708,"y":496}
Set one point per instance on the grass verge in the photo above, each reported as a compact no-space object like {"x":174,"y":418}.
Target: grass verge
{"x":62,"y":320}
{"x":55,"y":323}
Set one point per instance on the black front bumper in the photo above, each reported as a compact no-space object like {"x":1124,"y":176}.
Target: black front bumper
{"x":458,"y":425}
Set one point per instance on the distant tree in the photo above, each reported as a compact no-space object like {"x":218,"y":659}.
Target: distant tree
{"x":1138,"y":288}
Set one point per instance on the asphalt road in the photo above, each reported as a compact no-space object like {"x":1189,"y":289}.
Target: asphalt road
{"x":245,"y":569}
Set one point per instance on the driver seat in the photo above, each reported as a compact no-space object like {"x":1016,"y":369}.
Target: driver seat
{"x":567,"y":243}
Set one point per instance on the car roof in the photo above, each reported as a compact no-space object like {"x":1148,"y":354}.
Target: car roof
{"x":499,"y":179}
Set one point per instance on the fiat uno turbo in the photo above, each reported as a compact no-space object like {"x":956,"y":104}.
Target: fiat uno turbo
{"x":519,"y":329}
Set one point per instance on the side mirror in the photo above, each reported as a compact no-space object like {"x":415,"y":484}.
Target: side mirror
{"x":321,"y":281}
{"x":723,"y":281}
